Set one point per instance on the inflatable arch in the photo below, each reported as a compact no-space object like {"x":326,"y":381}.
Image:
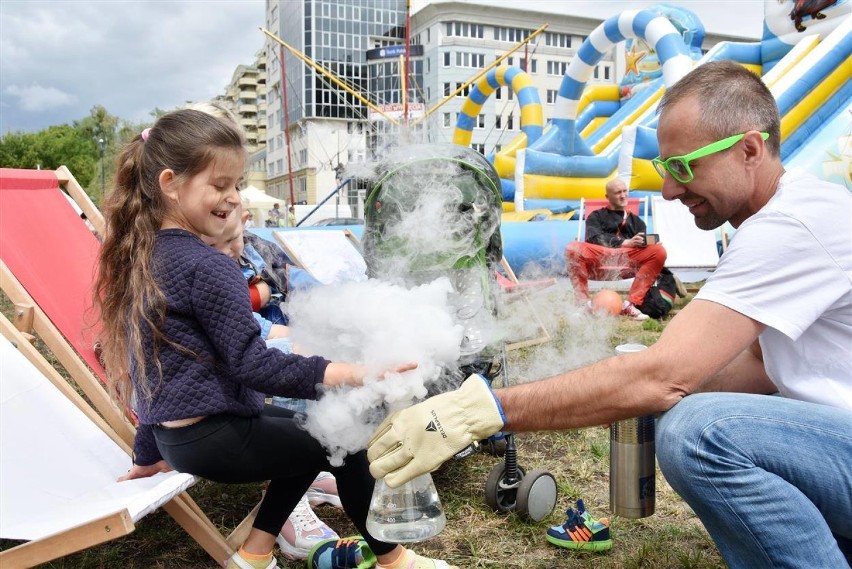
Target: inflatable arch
{"x":532,"y":117}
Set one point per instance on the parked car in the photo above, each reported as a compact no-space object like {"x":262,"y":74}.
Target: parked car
{"x":338,"y":221}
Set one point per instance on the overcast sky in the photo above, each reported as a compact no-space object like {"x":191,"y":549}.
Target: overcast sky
{"x":59,"y":58}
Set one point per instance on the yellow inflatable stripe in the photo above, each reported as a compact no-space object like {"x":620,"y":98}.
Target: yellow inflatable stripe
{"x":505,"y":165}
{"x":508,"y":206}
{"x":593,"y":125}
{"x":794,"y":118}
{"x":644,"y":176}
{"x":537,"y":186}
{"x":462,"y":137}
{"x":470,"y":108}
{"x":804,"y":47}
{"x":598,"y":93}
{"x":754,"y":68}
{"x":531,"y":115}
{"x":520,"y":81}
{"x":615,"y":132}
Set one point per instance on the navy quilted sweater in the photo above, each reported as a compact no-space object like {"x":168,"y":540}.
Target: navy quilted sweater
{"x":230,"y":368}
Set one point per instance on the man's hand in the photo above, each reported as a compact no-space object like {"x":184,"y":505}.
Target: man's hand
{"x":417,"y":440}
{"x":637,"y":240}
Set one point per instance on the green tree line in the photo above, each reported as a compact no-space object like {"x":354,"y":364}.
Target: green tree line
{"x":88,"y":147}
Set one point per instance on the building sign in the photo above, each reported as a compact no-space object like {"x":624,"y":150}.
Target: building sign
{"x":392,"y":52}
{"x":396,"y":112}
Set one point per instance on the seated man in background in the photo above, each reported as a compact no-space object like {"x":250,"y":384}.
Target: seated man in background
{"x":615,"y":236}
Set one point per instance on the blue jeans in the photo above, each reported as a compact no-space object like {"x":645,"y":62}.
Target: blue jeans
{"x":298,"y":405}
{"x":770,"y":478}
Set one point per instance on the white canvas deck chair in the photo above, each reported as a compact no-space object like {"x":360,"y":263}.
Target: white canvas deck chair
{"x":47,"y":259}
{"x":691,"y":252}
{"x":59,"y":464}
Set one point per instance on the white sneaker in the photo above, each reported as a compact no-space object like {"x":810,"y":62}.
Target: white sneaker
{"x":627,"y":309}
{"x":302,"y":531}
{"x":323,"y":490}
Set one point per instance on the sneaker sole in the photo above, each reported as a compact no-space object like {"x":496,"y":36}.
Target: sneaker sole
{"x":292,"y":552}
{"x":316,"y":498}
{"x":604,"y":545}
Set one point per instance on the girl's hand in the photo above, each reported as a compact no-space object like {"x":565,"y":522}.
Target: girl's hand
{"x":138,"y":471}
{"x":354,"y":374}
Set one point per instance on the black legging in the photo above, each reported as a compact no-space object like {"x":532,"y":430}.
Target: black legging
{"x":271,"y":446}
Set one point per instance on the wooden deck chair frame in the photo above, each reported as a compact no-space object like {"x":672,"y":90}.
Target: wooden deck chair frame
{"x":183,"y":508}
{"x":111,"y":526}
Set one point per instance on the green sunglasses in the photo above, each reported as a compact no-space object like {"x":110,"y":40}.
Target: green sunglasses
{"x":678,"y":166}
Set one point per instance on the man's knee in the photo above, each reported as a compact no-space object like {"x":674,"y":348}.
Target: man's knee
{"x":677,"y":431}
{"x":573,"y":250}
{"x":658,"y":253}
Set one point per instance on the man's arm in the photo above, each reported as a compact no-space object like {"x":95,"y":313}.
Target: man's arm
{"x":746,"y":374}
{"x":703,"y":339}
{"x":701,"y":343}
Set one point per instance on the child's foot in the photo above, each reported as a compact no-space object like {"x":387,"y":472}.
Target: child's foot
{"x":578,"y":533}
{"x":410,"y":560}
{"x":302,"y":531}
{"x":347,"y":553}
{"x":243,"y":560}
{"x":323,"y":490}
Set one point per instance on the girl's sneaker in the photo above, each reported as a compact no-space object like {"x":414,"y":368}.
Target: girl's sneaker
{"x":237,"y":561}
{"x":302,"y":531}
{"x":323,"y":490}
{"x":348,"y":553}
{"x":410,"y":560}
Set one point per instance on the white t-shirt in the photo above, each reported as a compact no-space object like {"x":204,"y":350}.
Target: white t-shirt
{"x":790,"y":268}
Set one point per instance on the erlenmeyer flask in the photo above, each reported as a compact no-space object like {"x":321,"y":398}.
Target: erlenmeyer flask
{"x":409,"y":513}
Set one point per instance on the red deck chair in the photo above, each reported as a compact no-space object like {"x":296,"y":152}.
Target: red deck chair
{"x":47,"y":259}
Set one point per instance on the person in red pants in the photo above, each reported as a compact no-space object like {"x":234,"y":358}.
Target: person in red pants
{"x":615,"y":237}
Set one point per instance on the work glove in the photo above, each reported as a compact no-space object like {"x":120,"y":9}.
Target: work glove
{"x":417,"y":440}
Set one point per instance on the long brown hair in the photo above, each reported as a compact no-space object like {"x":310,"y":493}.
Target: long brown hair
{"x":126,"y":293}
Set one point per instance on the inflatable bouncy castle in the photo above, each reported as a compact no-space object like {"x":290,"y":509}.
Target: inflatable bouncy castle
{"x":599,"y":132}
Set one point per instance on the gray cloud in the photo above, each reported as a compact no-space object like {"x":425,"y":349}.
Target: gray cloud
{"x":58,"y":59}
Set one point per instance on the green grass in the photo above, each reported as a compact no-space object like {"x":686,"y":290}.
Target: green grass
{"x":475,"y":536}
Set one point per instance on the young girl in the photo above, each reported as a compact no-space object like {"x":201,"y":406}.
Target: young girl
{"x":180,"y":343}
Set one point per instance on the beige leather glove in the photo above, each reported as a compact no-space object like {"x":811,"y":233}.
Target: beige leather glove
{"x":417,"y":440}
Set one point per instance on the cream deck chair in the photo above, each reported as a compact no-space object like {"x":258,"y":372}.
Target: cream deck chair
{"x":59,"y":465}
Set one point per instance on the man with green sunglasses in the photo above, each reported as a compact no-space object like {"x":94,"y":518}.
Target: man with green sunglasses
{"x":768,"y":476}
{"x":678,"y":166}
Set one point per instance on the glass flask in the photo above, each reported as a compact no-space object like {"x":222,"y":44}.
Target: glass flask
{"x":406,"y":514}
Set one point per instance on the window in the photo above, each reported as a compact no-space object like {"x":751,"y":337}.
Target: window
{"x":447,"y":89}
{"x":498,"y":122}
{"x":446,"y":59}
{"x":479,"y":148}
{"x":551,"y":96}
{"x":498,"y":94}
{"x":606,"y":72}
{"x":446,"y":119}
{"x":303,"y":157}
{"x":480,"y":121}
{"x":510,"y":123}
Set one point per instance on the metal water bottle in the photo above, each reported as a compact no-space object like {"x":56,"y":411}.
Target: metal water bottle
{"x":632,"y":461}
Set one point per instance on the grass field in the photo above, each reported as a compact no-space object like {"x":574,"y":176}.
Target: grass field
{"x":475,"y":536}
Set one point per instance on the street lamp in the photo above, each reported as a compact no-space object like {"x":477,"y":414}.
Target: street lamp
{"x":101,"y":144}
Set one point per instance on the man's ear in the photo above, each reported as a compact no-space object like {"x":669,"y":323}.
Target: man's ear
{"x":168,"y":183}
{"x":754,"y":148}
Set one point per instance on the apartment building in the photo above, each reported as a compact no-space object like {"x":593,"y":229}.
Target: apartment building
{"x":362,"y":42}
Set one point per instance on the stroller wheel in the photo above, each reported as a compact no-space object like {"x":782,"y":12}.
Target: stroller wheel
{"x":536,"y":495}
{"x":501,"y":493}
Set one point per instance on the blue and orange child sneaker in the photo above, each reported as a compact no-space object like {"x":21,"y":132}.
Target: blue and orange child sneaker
{"x":347,"y":553}
{"x":581,"y":531}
